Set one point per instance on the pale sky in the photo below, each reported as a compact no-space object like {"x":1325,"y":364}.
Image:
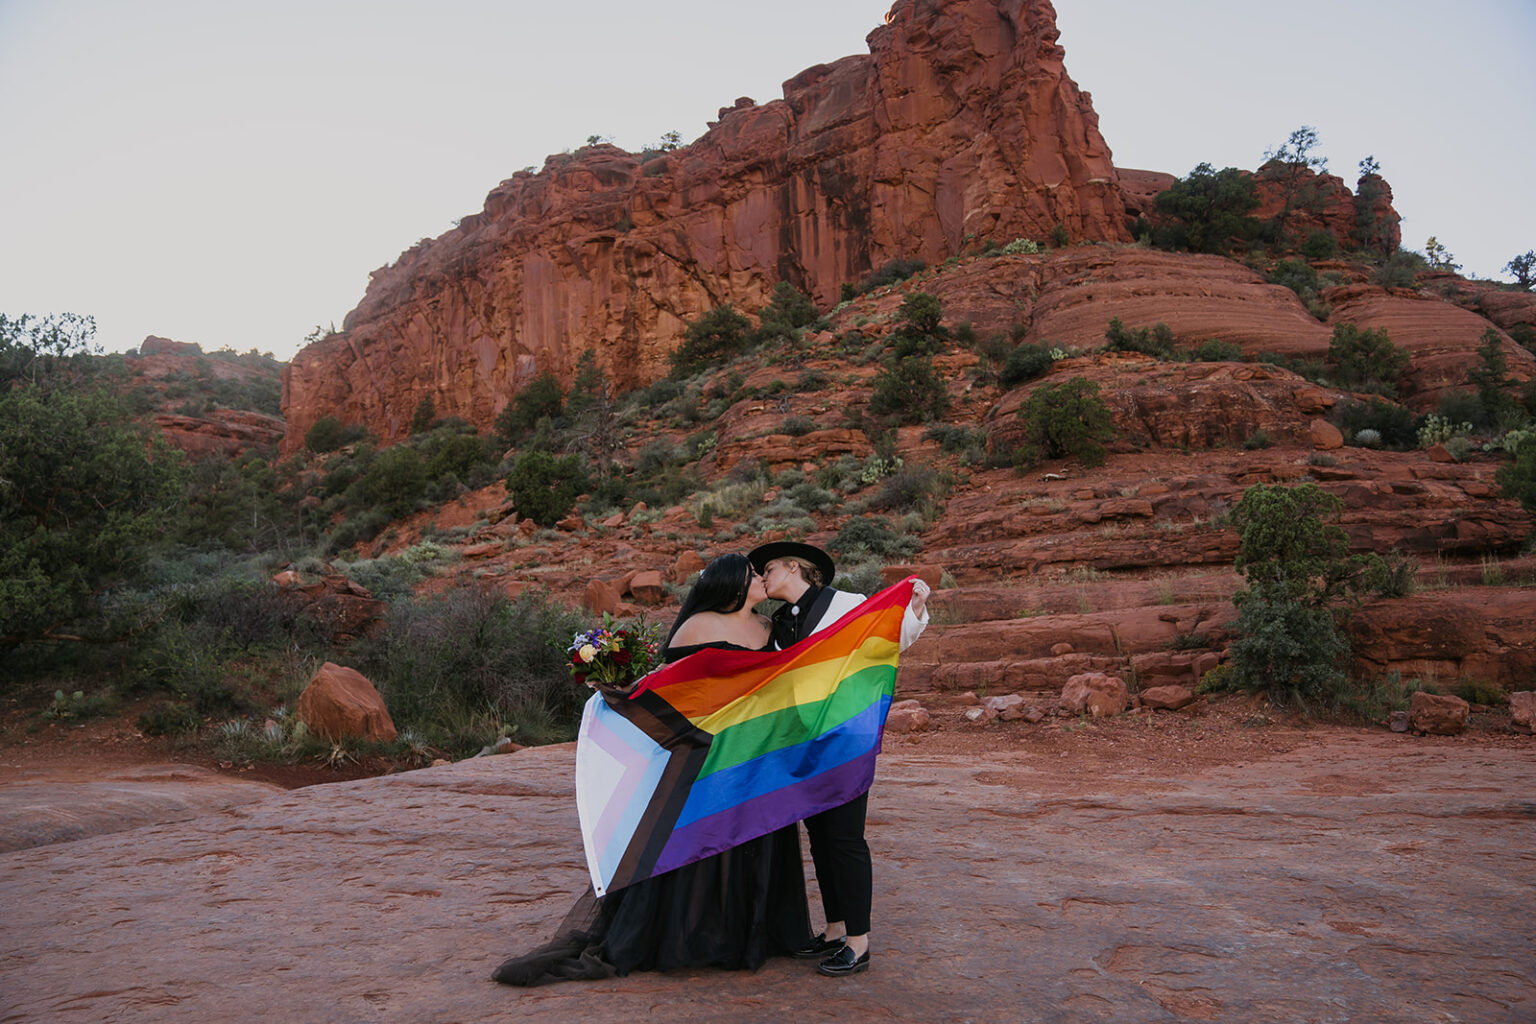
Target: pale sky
{"x":229,"y":172}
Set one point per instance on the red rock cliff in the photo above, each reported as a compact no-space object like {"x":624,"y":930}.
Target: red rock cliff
{"x":961,"y":123}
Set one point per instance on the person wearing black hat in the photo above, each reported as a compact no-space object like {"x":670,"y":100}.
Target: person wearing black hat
{"x":800,"y":575}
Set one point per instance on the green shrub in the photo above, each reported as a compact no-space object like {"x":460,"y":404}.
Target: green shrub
{"x":457,"y":666}
{"x":1517,"y":480}
{"x":890,"y":273}
{"x":1066,"y":421}
{"x":1256,"y":440}
{"x":797,"y":426}
{"x":395,"y":481}
{"x":656,"y":456}
{"x":456,"y":455}
{"x":921,"y":313}
{"x":329,"y":434}
{"x":1401,"y":269}
{"x":1373,"y":700}
{"x":87,"y":496}
{"x":865,"y":577}
{"x":170,"y":719}
{"x":540,"y":398}
{"x":1478,"y":691}
{"x":873,"y":535}
{"x":1209,"y":211}
{"x":1214,"y":350}
{"x":718,"y":334}
{"x":812,"y":498}
{"x":954,"y":440}
{"x":910,"y":488}
{"x":1290,"y":545}
{"x":788,"y":310}
{"x":543,"y":487}
{"x":1320,"y":245}
{"x":1392,"y":576}
{"x":1156,"y":341}
{"x":1297,"y":275}
{"x":425,"y":416}
{"x":1292,"y":652}
{"x":1396,"y":426}
{"x":387,"y":579}
{"x":1025,"y":363}
{"x":1497,"y":406}
{"x":364,"y":526}
{"x":1440,"y":430}
{"x":812,"y":381}
{"x":657,"y":395}
{"x":1366,"y":360}
{"x":910,"y":390}
{"x":1021,"y":247}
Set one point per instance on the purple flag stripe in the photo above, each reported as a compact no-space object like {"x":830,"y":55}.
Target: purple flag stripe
{"x":764,"y":814}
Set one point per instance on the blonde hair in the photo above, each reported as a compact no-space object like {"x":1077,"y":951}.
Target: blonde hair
{"x":808,"y":570}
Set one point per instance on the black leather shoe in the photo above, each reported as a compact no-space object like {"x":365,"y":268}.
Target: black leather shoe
{"x":820,"y":946}
{"x":844,"y":962}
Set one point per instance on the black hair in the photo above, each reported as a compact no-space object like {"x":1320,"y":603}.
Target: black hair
{"x":721,"y":587}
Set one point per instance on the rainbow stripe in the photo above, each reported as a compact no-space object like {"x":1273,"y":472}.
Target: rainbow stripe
{"x":725,"y":746}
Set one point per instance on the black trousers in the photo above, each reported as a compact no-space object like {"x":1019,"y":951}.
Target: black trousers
{"x":842,"y":863}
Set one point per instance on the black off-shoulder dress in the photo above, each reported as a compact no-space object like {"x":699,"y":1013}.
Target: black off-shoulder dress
{"x":732,"y":910}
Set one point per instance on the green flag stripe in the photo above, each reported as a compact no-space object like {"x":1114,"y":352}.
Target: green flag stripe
{"x":793,"y":725}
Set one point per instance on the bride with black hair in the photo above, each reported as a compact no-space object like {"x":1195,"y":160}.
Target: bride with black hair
{"x":734,"y":909}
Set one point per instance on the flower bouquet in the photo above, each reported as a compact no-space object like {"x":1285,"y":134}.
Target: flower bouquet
{"x":610,"y":656}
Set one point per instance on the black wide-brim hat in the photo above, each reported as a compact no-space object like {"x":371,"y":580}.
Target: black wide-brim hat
{"x":762,"y":555}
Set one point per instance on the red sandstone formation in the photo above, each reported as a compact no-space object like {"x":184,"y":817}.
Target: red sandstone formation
{"x":1441,"y":337}
{"x":961,"y":124}
{"x":153,"y":346}
{"x":226,"y":432}
{"x":162,"y":366}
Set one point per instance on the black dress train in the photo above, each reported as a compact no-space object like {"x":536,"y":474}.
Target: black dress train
{"x":733,"y":910}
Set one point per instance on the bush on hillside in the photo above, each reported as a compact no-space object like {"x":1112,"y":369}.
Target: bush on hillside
{"x":1208,"y":211}
{"x":1366,"y":360}
{"x":1065,"y":421}
{"x":544,"y":487}
{"x":718,"y":334}
{"x":890,"y":273}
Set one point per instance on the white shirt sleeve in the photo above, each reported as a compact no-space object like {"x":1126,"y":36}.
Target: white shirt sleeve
{"x":843,"y":602}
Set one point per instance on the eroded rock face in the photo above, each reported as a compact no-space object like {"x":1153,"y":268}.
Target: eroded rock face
{"x":225,"y":432}
{"x":960,"y":123}
{"x":1475,"y":633}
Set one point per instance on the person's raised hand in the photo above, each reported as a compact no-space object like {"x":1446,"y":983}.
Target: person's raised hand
{"x":920,"y":591}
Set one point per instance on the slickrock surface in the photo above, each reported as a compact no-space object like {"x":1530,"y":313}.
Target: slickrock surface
{"x":1327,"y":876}
{"x":56,"y":805}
